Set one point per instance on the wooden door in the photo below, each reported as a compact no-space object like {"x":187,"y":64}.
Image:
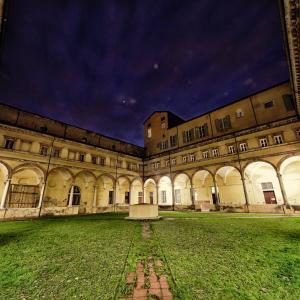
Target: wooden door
{"x":270,"y":197}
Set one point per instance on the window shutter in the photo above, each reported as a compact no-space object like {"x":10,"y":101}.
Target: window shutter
{"x":218,"y":124}
{"x":184,"y":137}
{"x":197,"y":132}
{"x":192,"y":134}
{"x":205,"y":128}
{"x":288,"y":102}
{"x":227,"y":123}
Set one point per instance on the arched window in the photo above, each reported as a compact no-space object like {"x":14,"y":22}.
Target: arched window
{"x":76,"y":195}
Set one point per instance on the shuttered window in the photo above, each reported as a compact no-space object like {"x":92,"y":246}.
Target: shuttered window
{"x":223,"y":124}
{"x":188,"y":135}
{"x":201,"y":131}
{"x":288,"y":102}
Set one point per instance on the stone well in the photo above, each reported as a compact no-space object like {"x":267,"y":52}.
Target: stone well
{"x":143,"y":211}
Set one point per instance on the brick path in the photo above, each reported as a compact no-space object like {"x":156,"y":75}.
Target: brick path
{"x":147,"y":284}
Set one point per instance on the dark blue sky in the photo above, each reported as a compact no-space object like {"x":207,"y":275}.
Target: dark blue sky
{"x":106,"y":65}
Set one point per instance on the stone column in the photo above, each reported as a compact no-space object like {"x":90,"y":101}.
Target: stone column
{"x":95,"y":196}
{"x":41,"y":195}
{"x":5,"y":193}
{"x":192,"y":193}
{"x":245,"y":190}
{"x":71,"y":196}
{"x":157,"y":194}
{"x":282,"y":188}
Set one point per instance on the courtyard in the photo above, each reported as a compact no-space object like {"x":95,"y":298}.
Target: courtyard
{"x":201,"y":256}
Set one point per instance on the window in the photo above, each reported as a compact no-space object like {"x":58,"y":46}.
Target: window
{"x":243,"y":147}
{"x":156,"y":165}
{"x":239,"y":113}
{"x":167,"y":163}
{"x":119,"y":163}
{"x":151,"y":196}
{"x":173,"y":161}
{"x":149,"y":131}
{"x":192,"y":157}
{"x":102,"y":161}
{"x":173,"y":140}
{"x":165,"y":144}
{"x":110,"y":197}
{"x":188,"y":135}
{"x":278,"y":139}
{"x":231,"y":149}
{"x":44,"y":129}
{"x":223,"y":124}
{"x":263,"y":142}
{"x":288,"y":102}
{"x":201,"y":131}
{"x":140,"y":197}
{"x":184,"y":159}
{"x":44,"y":150}
{"x":163,"y":122}
{"x":127,"y":197}
{"x":164,"y":196}
{"x":269,"y":104}
{"x":76,"y":195}
{"x":94,"y":159}
{"x":177,"y":196}
{"x":9,"y":143}
{"x":267,"y":186}
{"x":56,"y":152}
{"x":298,"y":133}
{"x":81,"y":157}
{"x":215,"y":152}
{"x":134,"y":167}
{"x":205,"y":154}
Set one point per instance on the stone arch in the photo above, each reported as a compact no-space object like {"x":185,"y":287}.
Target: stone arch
{"x":59,"y":181}
{"x":182,"y":189}
{"x":289,"y":169}
{"x":105,"y":190}
{"x":262,"y":183}
{"x":85,"y":172}
{"x":123,"y":186}
{"x":136,"y":191}
{"x":5,"y":173}
{"x":230,"y":186}
{"x":165,"y":194}
{"x":181,"y":173}
{"x":27,"y":183}
{"x":204,"y":188}
{"x":150,"y":191}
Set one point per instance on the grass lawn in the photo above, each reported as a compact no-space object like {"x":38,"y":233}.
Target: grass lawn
{"x":205,"y":256}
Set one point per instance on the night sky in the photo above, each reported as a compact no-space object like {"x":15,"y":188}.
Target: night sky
{"x":107,"y":65}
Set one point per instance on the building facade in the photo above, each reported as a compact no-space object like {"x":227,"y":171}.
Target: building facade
{"x":242,"y":157}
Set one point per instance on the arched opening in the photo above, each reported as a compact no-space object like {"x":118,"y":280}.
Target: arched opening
{"x":123,"y":191}
{"x":85,"y":181}
{"x":230,"y":186}
{"x":290,"y":171}
{"x":74,"y":195}
{"x":204,"y":189}
{"x":136,"y":192}
{"x":105,"y":195}
{"x":3,"y":178}
{"x":182,"y":190}
{"x":262,"y":184}
{"x":58,"y":185}
{"x":165,"y":191}
{"x":150,"y":195}
{"x":25,"y":188}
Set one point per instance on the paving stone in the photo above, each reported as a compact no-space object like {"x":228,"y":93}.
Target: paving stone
{"x":130,"y":277}
{"x":139,"y":292}
{"x":155,"y":285}
{"x":159,"y":263}
{"x":155,"y":292}
{"x":166,"y":292}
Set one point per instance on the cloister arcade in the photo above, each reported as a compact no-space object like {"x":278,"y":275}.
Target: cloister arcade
{"x":257,"y":183}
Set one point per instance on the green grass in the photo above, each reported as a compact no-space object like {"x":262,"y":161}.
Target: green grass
{"x":63,"y":258}
{"x":206,"y":256}
{"x":232,"y":256}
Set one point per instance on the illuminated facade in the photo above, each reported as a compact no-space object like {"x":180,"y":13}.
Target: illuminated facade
{"x":241,"y":157}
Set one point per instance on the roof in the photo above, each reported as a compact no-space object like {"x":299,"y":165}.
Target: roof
{"x":164,"y":111}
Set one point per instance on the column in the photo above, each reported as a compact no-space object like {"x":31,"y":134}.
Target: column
{"x":95,"y":196}
{"x":41,"y":195}
{"x":157,"y":193}
{"x":5,"y":193}
{"x":192,"y":194}
{"x":71,"y":196}
{"x":283,"y":192}
{"x":173,"y":194}
{"x":245,"y":190}
{"x":216,"y":191}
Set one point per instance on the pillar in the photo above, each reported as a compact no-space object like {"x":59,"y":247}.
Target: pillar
{"x":282,"y":189}
{"x":245,"y":190}
{"x":157,"y":193}
{"x":95,"y":196}
{"x":193,"y":194}
{"x":5,"y":193}
{"x":41,"y":195}
{"x":71,"y":196}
